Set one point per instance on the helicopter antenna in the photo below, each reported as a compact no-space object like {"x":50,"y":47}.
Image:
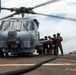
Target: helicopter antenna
{"x":0,"y":5}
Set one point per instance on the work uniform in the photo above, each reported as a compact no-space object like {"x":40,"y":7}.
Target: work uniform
{"x":54,"y":42}
{"x":58,"y":44}
{"x":50,"y":45}
{"x":45,"y":46}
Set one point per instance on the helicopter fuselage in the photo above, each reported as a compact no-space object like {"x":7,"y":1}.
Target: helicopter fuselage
{"x":18,"y":36}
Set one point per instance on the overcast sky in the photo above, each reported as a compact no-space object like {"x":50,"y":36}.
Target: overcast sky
{"x":50,"y":25}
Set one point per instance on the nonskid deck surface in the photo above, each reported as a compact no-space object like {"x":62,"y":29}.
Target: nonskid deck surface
{"x":61,"y":66}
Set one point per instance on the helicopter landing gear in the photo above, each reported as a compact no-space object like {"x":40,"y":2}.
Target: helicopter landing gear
{"x":1,"y":53}
{"x":6,"y":54}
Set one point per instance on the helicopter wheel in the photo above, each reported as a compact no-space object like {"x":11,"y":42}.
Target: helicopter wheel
{"x":6,"y":54}
{"x":1,"y":53}
{"x":18,"y":54}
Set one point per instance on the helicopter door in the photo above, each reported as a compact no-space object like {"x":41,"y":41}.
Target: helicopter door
{"x":35,"y":31}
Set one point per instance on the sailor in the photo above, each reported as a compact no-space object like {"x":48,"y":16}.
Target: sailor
{"x":58,"y":43}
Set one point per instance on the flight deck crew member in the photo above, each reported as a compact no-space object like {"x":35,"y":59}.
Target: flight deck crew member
{"x":58,"y":43}
{"x":50,"y":45}
{"x":54,"y":42}
{"x":45,"y":45}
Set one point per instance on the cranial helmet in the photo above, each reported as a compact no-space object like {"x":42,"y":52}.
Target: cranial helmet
{"x":54,"y":34}
{"x":58,"y":33}
{"x":45,"y":36}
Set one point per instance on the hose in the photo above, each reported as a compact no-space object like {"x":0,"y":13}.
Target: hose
{"x":28,"y":69}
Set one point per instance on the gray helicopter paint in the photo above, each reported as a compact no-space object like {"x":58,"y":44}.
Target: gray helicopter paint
{"x":28,"y":39}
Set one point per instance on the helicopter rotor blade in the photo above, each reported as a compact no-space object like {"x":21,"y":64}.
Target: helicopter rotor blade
{"x":2,"y":8}
{"x":8,"y":16}
{"x":66,"y":18}
{"x":10,"y":9}
{"x":26,"y":10}
{"x":13,"y":9}
{"x":45,"y":3}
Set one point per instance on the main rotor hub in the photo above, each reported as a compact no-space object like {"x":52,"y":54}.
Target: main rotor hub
{"x":23,"y":10}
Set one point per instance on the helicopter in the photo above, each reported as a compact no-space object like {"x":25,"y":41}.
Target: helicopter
{"x":13,"y":35}
{"x":21,"y":35}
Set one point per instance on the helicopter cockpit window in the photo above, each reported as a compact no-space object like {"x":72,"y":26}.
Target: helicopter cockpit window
{"x":17,"y":25}
{"x":6,"y":25}
{"x":28,"y":25}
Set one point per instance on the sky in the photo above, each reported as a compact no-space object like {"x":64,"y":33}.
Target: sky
{"x":50,"y":25}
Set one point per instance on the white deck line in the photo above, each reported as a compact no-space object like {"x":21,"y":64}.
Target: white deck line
{"x":49,"y":64}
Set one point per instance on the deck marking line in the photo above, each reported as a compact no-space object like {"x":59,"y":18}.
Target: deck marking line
{"x":48,"y":64}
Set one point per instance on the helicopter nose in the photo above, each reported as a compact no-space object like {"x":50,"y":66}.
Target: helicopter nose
{"x":13,"y":41}
{"x":12,"y":33}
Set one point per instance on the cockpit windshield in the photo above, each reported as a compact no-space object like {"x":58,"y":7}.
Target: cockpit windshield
{"x":17,"y":25}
